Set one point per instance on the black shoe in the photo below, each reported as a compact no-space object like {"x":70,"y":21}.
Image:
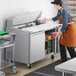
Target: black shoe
{"x":62,"y":61}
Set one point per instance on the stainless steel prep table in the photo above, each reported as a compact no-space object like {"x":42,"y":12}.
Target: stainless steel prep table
{"x":30,"y":39}
{"x":67,"y":67}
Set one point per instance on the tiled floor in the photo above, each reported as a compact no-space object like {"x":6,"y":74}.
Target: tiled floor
{"x":22,"y":68}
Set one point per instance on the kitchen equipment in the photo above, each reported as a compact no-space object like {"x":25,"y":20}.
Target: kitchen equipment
{"x":54,"y":34}
{"x":7,"y":45}
{"x":30,"y":37}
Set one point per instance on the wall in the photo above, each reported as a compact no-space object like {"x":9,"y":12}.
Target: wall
{"x":9,"y":8}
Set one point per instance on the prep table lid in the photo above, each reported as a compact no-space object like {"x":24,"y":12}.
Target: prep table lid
{"x":24,"y":18}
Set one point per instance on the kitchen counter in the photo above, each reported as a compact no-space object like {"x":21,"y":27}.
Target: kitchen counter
{"x":67,"y":67}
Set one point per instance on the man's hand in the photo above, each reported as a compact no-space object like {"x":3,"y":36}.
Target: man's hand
{"x":50,"y":19}
{"x":44,"y":20}
{"x":58,"y":34}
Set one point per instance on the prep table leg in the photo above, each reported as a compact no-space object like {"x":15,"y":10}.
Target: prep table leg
{"x":0,"y":59}
{"x":63,"y":73}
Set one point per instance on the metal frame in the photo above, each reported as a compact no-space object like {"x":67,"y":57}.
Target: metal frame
{"x":6,"y":62}
{"x":63,"y":73}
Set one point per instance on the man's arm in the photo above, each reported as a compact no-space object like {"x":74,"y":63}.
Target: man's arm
{"x":65,"y":21}
{"x":55,"y":18}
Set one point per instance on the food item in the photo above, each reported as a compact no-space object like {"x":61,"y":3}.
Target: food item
{"x":48,"y":37}
{"x":54,"y":34}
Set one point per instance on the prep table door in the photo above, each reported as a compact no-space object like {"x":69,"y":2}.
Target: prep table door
{"x":37,"y":46}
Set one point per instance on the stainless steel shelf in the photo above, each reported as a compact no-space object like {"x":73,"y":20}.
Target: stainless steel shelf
{"x":6,"y":64}
{"x":72,"y":14}
{"x":69,"y":2}
{"x":70,"y":6}
{"x":7,"y":45}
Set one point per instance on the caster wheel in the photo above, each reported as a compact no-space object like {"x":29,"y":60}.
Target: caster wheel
{"x":14,"y":69}
{"x":29,"y":66}
{"x":52,"y":57}
{"x":2,"y":73}
{"x":11,"y":60}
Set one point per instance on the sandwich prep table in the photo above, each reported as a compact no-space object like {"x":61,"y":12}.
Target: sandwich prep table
{"x":7,"y":45}
{"x":30,"y":37}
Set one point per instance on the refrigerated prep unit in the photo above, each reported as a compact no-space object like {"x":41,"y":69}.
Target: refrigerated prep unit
{"x":30,"y":36}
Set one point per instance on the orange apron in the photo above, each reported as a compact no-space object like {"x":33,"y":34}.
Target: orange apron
{"x":68,"y":37}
